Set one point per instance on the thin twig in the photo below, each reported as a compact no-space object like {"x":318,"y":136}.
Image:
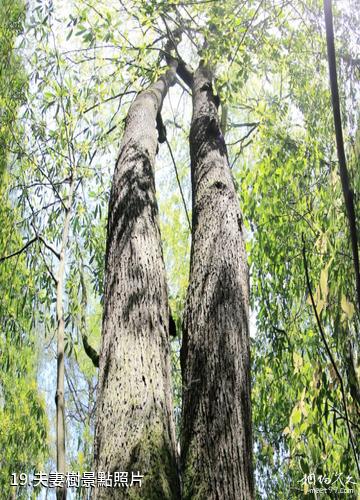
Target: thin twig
{"x":48,"y":246}
{"x":121,"y":94}
{"x":242,"y":139}
{"x":48,"y":267}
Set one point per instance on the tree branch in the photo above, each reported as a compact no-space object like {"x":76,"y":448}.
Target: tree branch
{"x":121,"y":94}
{"x":242,"y":139}
{"x":18,"y":252}
{"x":182,"y":69}
{"x":48,"y":246}
{"x":48,"y":268}
{"x":90,"y":351}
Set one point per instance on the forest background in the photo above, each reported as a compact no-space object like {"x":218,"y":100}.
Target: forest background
{"x":69,"y":72}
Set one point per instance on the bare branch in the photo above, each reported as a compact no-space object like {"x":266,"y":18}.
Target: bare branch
{"x":183,"y":70}
{"x":48,"y":267}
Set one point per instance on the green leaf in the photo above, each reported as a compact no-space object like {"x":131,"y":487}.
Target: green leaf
{"x":324,"y":283}
{"x":347,"y":307}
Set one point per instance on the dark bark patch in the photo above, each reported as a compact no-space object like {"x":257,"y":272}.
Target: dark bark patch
{"x":220,"y":185}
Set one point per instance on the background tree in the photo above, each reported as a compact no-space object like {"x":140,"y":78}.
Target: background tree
{"x":295,"y":192}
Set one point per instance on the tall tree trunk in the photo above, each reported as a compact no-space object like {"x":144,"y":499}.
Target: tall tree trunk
{"x":216,"y":431}
{"x":134,"y":423}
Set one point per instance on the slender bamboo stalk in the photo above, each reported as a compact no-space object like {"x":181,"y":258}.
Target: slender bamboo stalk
{"x":60,"y":391}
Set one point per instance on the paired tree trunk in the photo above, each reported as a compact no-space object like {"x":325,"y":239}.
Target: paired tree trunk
{"x":134,"y":427}
{"x":216,"y":450}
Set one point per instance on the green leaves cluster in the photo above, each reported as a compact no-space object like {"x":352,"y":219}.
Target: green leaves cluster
{"x":12,"y":77}
{"x":24,"y":427}
{"x":291,"y":192}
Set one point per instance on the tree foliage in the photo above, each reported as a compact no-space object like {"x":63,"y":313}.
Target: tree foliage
{"x":24,"y":425}
{"x":85,"y":63}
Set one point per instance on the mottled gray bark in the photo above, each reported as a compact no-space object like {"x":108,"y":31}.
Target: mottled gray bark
{"x":216,"y":429}
{"x":134,"y":423}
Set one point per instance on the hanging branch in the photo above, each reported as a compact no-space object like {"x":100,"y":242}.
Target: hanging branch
{"x":344,"y":174}
{"x":76,"y":399}
{"x":18,"y":252}
{"x":38,"y":237}
{"x":121,"y":94}
{"x":49,"y":246}
{"x":51,"y":274}
{"x":179,"y":184}
{"x":329,"y":353}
